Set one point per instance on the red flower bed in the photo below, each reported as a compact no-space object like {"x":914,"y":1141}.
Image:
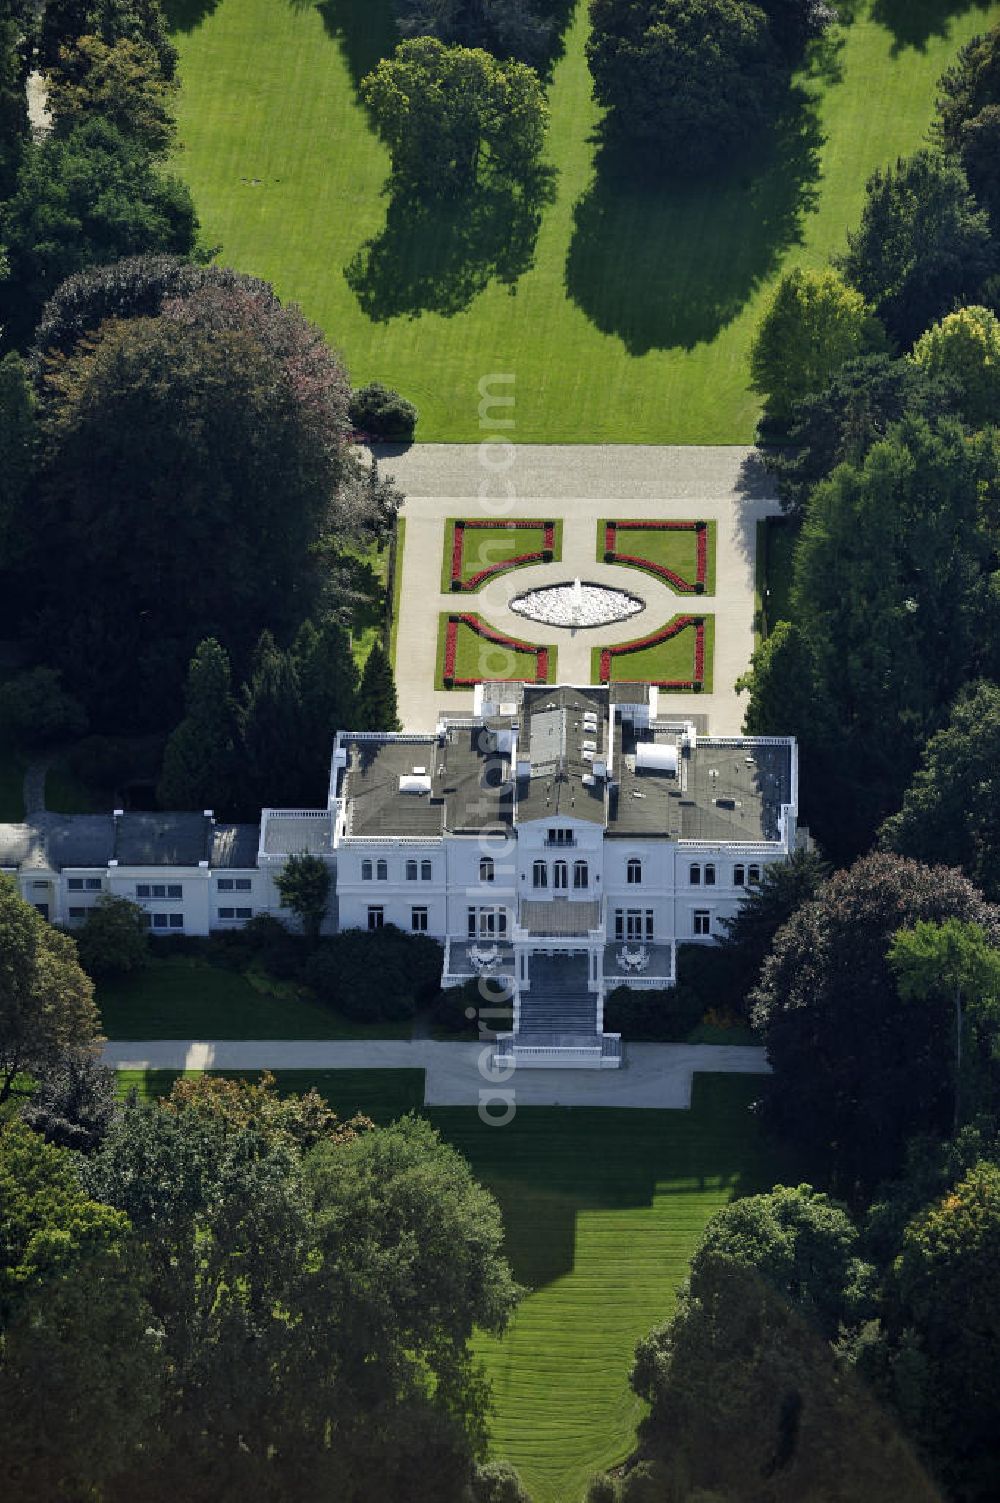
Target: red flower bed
{"x":548,"y":531}
{"x":513,"y":644}
{"x":653,"y":640}
{"x":637,"y":561}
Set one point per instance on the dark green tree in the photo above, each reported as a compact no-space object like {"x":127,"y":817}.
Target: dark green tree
{"x":16,"y":24}
{"x":91,"y":196}
{"x":112,"y":940}
{"x":381,"y":412}
{"x":377,"y":710}
{"x":698,"y":78}
{"x":951,"y":810}
{"x":968,"y":116}
{"x":36,"y":712}
{"x":923,"y":245}
{"x":765,"y":907}
{"x":304,"y":886}
{"x":328,"y":679}
{"x":454,"y":116}
{"x":199,"y":761}
{"x":74,"y":1101}
{"x":857,"y":1069}
{"x":273,"y":753}
{"x":112,"y":21}
{"x":79,"y":1358}
{"x":508,"y":28}
{"x":46,"y":1000}
{"x":122,"y":84}
{"x":18,"y":436}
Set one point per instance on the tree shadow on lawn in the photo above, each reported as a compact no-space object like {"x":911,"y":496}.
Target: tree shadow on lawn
{"x":665,"y":262}
{"x":436,"y":256}
{"x":187,"y":15}
{"x":913,"y":22}
{"x":365,"y":29}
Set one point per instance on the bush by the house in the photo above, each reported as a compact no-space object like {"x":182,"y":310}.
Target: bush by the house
{"x":380,"y":412}
{"x":113,"y":938}
{"x":666,"y":1016}
{"x":371,"y":976}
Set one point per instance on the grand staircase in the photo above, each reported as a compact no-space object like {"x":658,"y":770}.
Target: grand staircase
{"x":558,"y":1010}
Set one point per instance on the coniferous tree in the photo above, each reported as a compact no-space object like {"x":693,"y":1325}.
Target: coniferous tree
{"x":377,"y":697}
{"x":273,"y":745}
{"x":198,"y":765}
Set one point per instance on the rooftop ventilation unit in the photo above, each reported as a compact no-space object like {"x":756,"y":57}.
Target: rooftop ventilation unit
{"x":414,"y":782}
{"x":600,"y":769}
{"x":651,"y":756}
{"x":588,"y":780}
{"x":590,"y":746}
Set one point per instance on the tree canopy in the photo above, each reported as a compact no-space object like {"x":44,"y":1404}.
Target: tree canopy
{"x":122,"y":83}
{"x":964,"y":348}
{"x":304,"y":886}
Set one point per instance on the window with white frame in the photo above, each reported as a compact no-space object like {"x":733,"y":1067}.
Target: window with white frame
{"x":633,"y":923}
{"x":244,"y":884}
{"x":382,"y":871}
{"x":75,"y":884}
{"x":487,"y":923}
{"x":94,"y":884}
{"x":539,"y":874}
{"x":581,"y":874}
{"x":418,"y":920}
{"x":235,"y":913}
{"x":633,"y":871}
{"x":366,"y":871}
{"x":702,"y":921}
{"x":739,"y":875}
{"x":225,"y":884}
{"x":426,"y":871}
{"x":753,"y":874}
{"x":376,"y":918}
{"x":694,"y":874}
{"x":486,"y":869}
{"x":710,"y":874}
{"x":560,"y":837}
{"x":560,"y":876}
{"x":411,"y":871}
{"x":159,"y":890}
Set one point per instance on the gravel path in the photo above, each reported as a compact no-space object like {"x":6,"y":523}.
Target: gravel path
{"x":654,"y":1075}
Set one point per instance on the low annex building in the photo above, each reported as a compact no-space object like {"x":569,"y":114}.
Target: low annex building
{"x":559,"y":842}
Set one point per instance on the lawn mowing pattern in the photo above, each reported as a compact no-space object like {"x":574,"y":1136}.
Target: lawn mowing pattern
{"x":672,"y":662}
{"x":470,"y":650}
{"x":602,"y":1211}
{"x":184,"y":997}
{"x":635,"y":321}
{"x":382,"y":1095}
{"x":475,"y":551}
{"x":680,"y":554}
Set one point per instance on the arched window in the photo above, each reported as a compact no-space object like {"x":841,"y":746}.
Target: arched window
{"x":382,"y":871}
{"x":411,"y":871}
{"x":486,"y":868}
{"x":633,"y":872}
{"x":581,"y":874}
{"x":539,"y":874}
{"x":753,"y":874}
{"x":426,"y":871}
{"x":560,"y":876}
{"x":739,"y":876}
{"x":694,"y":875}
{"x":366,"y":871}
{"x":710,"y":874}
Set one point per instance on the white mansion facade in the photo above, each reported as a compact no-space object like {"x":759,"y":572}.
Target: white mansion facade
{"x":559,"y":842}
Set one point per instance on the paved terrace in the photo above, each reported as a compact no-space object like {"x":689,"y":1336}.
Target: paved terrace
{"x":581,"y":484}
{"x":655,"y":1075}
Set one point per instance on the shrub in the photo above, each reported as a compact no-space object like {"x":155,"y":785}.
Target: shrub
{"x":113,"y":938}
{"x":376,"y":976}
{"x":452,"y":1007}
{"x":381,"y":412}
{"x":666,"y":1016}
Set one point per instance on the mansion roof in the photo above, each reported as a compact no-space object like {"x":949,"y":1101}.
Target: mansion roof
{"x":52,"y":842}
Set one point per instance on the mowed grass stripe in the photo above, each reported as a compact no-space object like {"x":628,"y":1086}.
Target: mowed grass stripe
{"x":635,"y":320}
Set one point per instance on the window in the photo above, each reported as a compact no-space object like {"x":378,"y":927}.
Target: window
{"x":471,"y":923}
{"x":159,"y":920}
{"x":633,"y":871}
{"x":560,"y":876}
{"x":411,"y":871}
{"x":628,"y":923}
{"x":649,"y":923}
{"x":77,"y":913}
{"x":491,"y":923}
{"x":426,"y":871}
{"x":739,"y":876}
{"x":753,"y":874}
{"x":382,"y":871}
{"x":75,"y":884}
{"x":244,"y":913}
{"x":142,"y":891}
{"x":376,"y":918}
{"x":40,"y":883}
{"x":94,"y":884}
{"x":225,"y":884}
{"x":243,"y":884}
{"x":539,"y":874}
{"x":418,"y":920}
{"x":486,"y":870}
{"x":581,"y":875}
{"x":176,"y":920}
{"x":694,"y":876}
{"x":560,"y":837}
{"x":174,"y":890}
{"x":227,"y":913}
{"x":710,"y":874}
{"x":702,"y":921}
{"x":366,"y":871}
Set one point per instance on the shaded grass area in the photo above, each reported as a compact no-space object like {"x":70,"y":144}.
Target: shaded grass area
{"x":673,"y":659}
{"x":484,"y":547}
{"x":382,"y":1095}
{"x":633,"y":315}
{"x":475,"y":657}
{"x":184,"y":997}
{"x":673,"y":550}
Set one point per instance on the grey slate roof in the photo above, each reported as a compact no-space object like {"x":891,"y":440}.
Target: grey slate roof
{"x":470,"y":785}
{"x":54,"y":841}
{"x":551,"y":737}
{"x":294,"y":833}
{"x":163,"y":839}
{"x":235,"y":845}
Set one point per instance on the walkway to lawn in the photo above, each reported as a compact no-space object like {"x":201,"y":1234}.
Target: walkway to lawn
{"x":580,"y":485}
{"x":655,"y":1075}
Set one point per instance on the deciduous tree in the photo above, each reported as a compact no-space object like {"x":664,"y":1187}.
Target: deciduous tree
{"x":112,"y":940}
{"x":964,"y":348}
{"x":122,"y":83}
{"x":304,"y":886}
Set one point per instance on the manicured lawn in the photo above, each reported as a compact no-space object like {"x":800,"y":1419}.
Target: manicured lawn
{"x":476,"y":657}
{"x":183,"y":997}
{"x":382,"y":1095}
{"x":673,"y":659}
{"x":673,"y":550}
{"x":633,"y":324}
{"x":487,"y":547}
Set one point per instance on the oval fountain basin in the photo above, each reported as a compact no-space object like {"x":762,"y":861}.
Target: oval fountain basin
{"x":577,"y":605}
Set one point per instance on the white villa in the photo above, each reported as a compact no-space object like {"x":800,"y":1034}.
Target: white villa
{"x":559,"y":842}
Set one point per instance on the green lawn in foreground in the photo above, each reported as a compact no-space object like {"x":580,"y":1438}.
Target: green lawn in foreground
{"x":183,"y":997}
{"x":602,"y":1210}
{"x":635,"y":321}
{"x":673,"y":659}
{"x":674,"y":550}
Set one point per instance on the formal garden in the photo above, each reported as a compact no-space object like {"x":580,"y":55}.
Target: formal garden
{"x":470,"y":650}
{"x":677,"y":656}
{"x":477,"y":550}
{"x":681,"y":554}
